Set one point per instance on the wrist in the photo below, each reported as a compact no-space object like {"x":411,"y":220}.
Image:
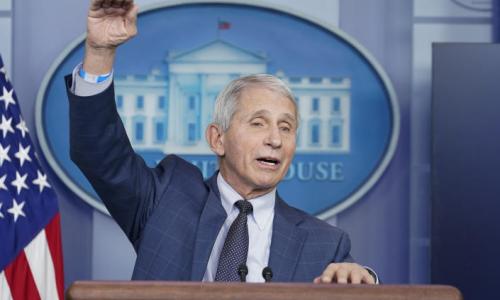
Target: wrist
{"x":98,"y":60}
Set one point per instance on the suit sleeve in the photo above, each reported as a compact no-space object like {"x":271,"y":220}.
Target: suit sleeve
{"x":343,"y":253}
{"x":99,"y":146}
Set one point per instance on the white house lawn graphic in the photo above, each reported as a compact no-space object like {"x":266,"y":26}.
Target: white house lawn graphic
{"x":168,"y":110}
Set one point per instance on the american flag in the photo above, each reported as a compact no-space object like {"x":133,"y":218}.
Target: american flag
{"x":30,"y":237}
{"x":223,"y":25}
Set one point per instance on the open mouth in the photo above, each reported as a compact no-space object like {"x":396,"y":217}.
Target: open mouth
{"x":269,"y":161}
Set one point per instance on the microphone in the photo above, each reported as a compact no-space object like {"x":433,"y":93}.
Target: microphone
{"x":242,"y":272}
{"x":267,"y":273}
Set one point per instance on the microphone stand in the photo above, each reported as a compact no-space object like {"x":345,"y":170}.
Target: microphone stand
{"x":242,"y":272}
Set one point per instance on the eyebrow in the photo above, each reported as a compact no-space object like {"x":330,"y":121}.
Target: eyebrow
{"x":291,"y":118}
{"x":264,"y":112}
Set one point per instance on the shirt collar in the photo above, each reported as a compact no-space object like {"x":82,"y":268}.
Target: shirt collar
{"x":263,"y":206}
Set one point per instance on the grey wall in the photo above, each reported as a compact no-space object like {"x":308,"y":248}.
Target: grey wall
{"x":378,"y":224}
{"x":6,"y":33}
{"x":388,"y":227}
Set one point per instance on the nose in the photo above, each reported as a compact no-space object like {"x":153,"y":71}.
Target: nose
{"x":273,"y":137}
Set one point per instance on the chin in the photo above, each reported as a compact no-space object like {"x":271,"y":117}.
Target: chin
{"x":266,"y":184}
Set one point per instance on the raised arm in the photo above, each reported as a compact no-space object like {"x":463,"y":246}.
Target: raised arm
{"x":110,"y":23}
{"x":98,"y":142}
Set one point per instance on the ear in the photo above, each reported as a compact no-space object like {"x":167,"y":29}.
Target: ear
{"x":215,"y":139}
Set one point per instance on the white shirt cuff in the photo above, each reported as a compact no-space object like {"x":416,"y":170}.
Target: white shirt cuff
{"x":83,"y":88}
{"x":372,"y":272}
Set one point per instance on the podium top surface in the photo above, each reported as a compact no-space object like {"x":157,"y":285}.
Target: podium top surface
{"x":107,"y":290}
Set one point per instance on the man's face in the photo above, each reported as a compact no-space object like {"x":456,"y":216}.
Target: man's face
{"x":259,"y":145}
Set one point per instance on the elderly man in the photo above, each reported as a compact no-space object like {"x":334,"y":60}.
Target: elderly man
{"x":228,"y":228}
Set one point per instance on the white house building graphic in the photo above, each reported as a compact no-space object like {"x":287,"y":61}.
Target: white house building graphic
{"x":168,"y":110}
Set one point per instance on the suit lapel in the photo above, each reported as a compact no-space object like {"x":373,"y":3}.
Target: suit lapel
{"x":287,"y":241}
{"x":211,"y":220}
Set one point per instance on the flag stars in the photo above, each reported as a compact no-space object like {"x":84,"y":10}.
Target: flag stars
{"x":1,"y":215}
{"x":2,"y":70}
{"x":20,"y":182}
{"x":7,"y":97}
{"x":41,"y":181}
{"x":16,"y":210}
{"x":5,"y":126}
{"x":23,"y":154}
{"x":21,"y":126}
{"x":2,"y":182}
{"x":4,"y":154}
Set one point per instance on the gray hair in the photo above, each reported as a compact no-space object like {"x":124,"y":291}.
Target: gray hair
{"x":227,"y":100}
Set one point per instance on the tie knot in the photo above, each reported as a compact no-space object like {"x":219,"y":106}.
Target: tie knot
{"x":244,"y":206}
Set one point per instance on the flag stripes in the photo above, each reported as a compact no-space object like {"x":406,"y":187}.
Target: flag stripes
{"x":4,"y":288}
{"x":20,"y":280}
{"x":53,"y":233}
{"x":41,"y":265}
{"x":37,"y":271}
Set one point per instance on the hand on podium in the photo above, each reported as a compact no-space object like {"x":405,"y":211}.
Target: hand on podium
{"x":345,"y":273}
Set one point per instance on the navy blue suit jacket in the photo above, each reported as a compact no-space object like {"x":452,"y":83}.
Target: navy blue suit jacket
{"x":171,"y":215}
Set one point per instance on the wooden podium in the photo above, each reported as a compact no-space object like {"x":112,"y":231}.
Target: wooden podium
{"x":128,"y":290}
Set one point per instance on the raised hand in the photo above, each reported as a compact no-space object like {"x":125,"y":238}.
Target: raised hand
{"x":110,"y":23}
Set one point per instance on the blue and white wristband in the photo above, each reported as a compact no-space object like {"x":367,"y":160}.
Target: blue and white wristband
{"x":91,"y":77}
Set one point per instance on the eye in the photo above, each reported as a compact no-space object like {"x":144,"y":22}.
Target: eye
{"x":285,"y":127}
{"x":257,"y":123}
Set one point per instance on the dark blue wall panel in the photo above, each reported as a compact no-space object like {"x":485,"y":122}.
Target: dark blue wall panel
{"x":466,"y":168}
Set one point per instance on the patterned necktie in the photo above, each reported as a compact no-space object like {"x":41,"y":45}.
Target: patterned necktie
{"x":235,"y":249}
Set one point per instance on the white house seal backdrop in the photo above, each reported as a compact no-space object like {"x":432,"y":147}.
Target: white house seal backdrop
{"x":167,"y":79}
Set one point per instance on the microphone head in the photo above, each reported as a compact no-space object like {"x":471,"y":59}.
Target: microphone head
{"x":242,"y":270}
{"x":267,"y":273}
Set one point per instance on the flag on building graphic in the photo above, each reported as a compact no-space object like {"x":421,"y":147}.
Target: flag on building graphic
{"x":30,"y":239}
{"x":223,"y":25}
